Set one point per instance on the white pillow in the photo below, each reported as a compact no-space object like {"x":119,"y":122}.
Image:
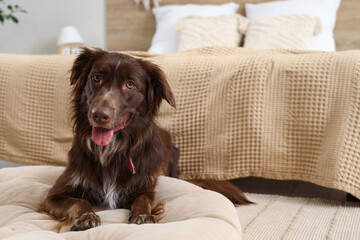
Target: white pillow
{"x":165,"y":39}
{"x":325,"y":10}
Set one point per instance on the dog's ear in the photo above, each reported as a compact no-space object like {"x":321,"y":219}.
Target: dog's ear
{"x":82,"y":64}
{"x":81,"y":68}
{"x":157,"y":87}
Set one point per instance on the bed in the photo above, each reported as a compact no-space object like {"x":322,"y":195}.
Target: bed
{"x":280,"y":114}
{"x":131,"y":27}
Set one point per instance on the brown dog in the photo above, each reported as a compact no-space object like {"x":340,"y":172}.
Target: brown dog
{"x":118,"y":151}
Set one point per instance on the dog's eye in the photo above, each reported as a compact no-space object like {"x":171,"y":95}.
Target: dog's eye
{"x":130,"y":84}
{"x":96,"y":78}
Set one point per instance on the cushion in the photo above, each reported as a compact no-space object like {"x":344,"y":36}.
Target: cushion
{"x":283,"y":31}
{"x":224,"y":30}
{"x":191,"y":212}
{"x":325,"y":10}
{"x":165,"y":39}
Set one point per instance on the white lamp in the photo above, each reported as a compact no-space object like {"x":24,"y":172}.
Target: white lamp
{"x":70,"y":41}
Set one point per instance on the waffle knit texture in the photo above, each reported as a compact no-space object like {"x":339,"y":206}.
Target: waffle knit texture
{"x":35,"y":108}
{"x":277,"y":114}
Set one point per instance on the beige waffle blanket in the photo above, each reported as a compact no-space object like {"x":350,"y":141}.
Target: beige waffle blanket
{"x":271,"y":113}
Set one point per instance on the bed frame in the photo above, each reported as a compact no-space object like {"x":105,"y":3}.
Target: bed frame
{"x":131,"y":27}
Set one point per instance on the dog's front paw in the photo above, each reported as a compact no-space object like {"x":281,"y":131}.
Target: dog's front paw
{"x":86,"y":221}
{"x":141,"y":218}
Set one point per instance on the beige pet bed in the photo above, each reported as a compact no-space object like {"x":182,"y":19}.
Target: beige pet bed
{"x":191,"y":212}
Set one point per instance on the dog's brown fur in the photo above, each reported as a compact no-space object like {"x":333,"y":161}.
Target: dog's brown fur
{"x":120,"y":92}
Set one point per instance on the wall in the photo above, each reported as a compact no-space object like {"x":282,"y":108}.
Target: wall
{"x":38,"y":31}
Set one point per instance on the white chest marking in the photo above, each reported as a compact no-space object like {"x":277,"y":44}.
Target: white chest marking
{"x":111,"y":194}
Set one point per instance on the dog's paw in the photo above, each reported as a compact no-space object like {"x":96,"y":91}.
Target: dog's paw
{"x":142,"y":218}
{"x":86,"y":221}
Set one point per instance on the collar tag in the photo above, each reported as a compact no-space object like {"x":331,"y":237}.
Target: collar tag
{"x":131,"y":166}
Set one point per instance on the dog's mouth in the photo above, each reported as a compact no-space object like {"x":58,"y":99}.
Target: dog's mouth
{"x":103,"y":136}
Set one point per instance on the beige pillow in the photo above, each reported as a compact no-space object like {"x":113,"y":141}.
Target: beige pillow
{"x":224,"y":30}
{"x":285,"y":31}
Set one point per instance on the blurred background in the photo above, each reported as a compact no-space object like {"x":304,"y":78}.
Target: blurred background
{"x":38,"y":30}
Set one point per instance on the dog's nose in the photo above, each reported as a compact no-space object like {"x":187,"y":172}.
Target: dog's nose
{"x":101,"y":115}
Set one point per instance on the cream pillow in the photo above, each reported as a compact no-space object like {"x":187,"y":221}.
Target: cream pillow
{"x":224,"y":30}
{"x":325,"y":10}
{"x":285,"y":31}
{"x":165,"y":39}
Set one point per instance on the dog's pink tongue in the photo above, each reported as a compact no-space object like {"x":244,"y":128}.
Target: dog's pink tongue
{"x":102,"y":136}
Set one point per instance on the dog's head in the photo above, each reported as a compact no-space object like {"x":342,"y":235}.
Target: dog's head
{"x":112,"y":89}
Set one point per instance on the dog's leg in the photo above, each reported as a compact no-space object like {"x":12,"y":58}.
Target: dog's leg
{"x":141,"y":209}
{"x":74,"y":211}
{"x":63,"y":203}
